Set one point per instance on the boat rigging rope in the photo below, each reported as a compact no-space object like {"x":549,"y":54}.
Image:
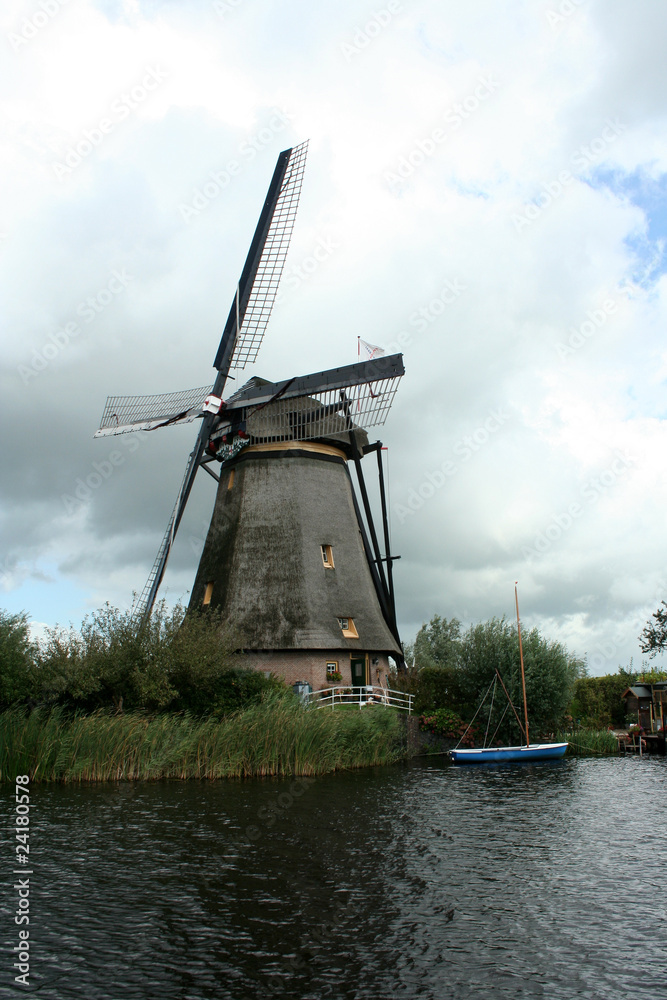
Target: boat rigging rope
{"x":523,"y":731}
{"x":486,"y":695}
{"x":488,"y":721}
{"x":602,"y":753}
{"x":500,"y":723}
{"x":496,"y":677}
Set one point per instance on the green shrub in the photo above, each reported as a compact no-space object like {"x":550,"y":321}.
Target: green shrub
{"x":437,"y":687}
{"x":173,"y":662}
{"x":17,"y":659}
{"x":449,"y":726}
{"x":453,"y":669}
{"x":597,"y":701}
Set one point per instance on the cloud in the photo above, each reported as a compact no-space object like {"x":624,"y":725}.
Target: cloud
{"x":530,"y":158}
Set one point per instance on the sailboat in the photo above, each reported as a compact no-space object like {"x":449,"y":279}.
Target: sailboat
{"x":534,"y":751}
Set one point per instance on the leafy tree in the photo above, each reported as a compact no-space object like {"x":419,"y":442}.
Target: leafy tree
{"x":17,"y":657}
{"x":204,"y":671}
{"x":447,"y":725}
{"x":437,"y":644}
{"x":597,"y":701}
{"x":437,"y":688}
{"x":110,"y":662}
{"x":173,"y":662}
{"x":653,"y":676}
{"x":460,"y":668}
{"x":654,"y":637}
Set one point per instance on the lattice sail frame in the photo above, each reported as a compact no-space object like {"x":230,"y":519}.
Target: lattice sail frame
{"x":126,"y":414}
{"x":328,"y":414}
{"x":272,"y":262}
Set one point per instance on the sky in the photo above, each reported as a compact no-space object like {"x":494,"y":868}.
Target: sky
{"x":485,"y":191}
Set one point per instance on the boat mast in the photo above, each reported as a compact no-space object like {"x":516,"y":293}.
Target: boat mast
{"x":523,"y":675}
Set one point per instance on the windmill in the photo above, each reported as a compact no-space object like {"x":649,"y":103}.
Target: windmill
{"x":289,"y":558}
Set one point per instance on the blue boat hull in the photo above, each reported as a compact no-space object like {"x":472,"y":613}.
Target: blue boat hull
{"x":539,"y":751}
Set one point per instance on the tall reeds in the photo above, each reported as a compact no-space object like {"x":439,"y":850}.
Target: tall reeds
{"x":279,"y":736}
{"x":589,"y":743}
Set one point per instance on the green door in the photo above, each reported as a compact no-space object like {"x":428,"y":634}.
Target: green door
{"x":358,"y":668}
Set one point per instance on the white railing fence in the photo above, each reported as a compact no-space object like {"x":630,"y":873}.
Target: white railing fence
{"x":369,"y":694}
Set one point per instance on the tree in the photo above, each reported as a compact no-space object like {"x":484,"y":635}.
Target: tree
{"x":437,"y":688}
{"x":172,"y":662}
{"x":459,"y":669}
{"x":437,"y":644}
{"x":17,"y":655}
{"x":597,"y":701}
{"x":110,"y":662}
{"x":654,"y":637}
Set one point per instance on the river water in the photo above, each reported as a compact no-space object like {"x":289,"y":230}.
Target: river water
{"x":543,"y":880}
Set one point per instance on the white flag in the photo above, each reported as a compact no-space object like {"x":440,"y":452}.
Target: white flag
{"x":370,"y":350}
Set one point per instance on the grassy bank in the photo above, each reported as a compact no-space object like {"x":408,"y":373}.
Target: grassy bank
{"x":276,"y":737}
{"x":589,"y":743}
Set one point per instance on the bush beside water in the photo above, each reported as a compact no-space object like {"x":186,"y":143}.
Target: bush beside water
{"x":589,"y":742}
{"x":442,"y":729}
{"x":172,"y":699}
{"x":170,"y":663}
{"x":168,"y":699}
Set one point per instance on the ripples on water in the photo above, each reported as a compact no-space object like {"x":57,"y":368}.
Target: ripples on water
{"x":426,"y":880}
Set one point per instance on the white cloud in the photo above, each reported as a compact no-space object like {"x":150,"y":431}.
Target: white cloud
{"x":520,"y":335}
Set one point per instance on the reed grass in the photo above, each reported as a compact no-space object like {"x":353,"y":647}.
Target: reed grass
{"x":279,"y":736}
{"x":589,"y":743}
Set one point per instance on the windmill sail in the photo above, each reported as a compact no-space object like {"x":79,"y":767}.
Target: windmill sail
{"x":243,"y":333}
{"x":147,"y":597}
{"x":315,"y":406}
{"x":258,"y":284}
{"x":258,"y":391}
{"x":126,"y":414}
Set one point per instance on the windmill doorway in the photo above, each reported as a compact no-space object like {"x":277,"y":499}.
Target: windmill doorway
{"x":359,"y":671}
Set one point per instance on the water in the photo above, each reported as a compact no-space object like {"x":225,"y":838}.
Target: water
{"x":424,"y":880}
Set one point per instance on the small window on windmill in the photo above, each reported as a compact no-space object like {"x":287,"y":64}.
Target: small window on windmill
{"x":230,"y":481}
{"x":208,"y":593}
{"x":348,"y":628}
{"x":327,"y":556}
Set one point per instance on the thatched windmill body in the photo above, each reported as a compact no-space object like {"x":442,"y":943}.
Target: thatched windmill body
{"x":292,"y":558}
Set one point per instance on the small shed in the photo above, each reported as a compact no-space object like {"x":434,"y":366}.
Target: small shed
{"x":649,"y":701}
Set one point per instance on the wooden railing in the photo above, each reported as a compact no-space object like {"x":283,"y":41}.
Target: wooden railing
{"x":369,"y":694}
